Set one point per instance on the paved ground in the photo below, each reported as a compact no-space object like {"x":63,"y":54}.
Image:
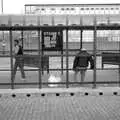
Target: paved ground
{"x":60,"y":107}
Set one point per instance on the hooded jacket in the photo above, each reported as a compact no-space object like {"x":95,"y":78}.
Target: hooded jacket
{"x":82,"y":59}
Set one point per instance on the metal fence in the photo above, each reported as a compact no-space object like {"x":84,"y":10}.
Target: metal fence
{"x":98,"y":34}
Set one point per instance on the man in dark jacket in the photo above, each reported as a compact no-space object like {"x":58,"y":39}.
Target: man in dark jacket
{"x":81,"y":63}
{"x":19,"y":62}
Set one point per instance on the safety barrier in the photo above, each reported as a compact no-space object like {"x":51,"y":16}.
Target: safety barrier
{"x":8,"y":24}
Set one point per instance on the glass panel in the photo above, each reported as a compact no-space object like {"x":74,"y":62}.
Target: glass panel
{"x":17,"y":20}
{"x":30,"y":20}
{"x":5,"y":79}
{"x":45,"y":20}
{"x":102,"y":19}
{"x":107,"y":56}
{"x":107,"y":76}
{"x":108,"y":40}
{"x":31,"y":80}
{"x":74,"y":20}
{"x":74,"y":39}
{"x":87,"y":19}
{"x":60,"y":19}
{"x":87,"y":41}
{"x":114,"y":19}
{"x":5,"y":66}
{"x":4,"y":43}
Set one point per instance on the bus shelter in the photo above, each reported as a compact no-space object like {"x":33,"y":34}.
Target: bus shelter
{"x":50,"y":43}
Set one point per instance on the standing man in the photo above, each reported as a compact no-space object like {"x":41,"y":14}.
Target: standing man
{"x":19,"y":61}
{"x":81,"y":63}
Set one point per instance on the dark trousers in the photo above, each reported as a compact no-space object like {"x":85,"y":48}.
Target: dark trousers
{"x":19,"y":63}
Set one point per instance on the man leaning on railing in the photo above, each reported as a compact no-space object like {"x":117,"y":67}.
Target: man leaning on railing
{"x":81,"y":63}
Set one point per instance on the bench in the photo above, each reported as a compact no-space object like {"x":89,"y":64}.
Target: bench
{"x":110,"y":58}
{"x":33,"y":61}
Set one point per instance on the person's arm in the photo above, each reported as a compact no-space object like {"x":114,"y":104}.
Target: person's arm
{"x":75,"y":62}
{"x":91,"y":62}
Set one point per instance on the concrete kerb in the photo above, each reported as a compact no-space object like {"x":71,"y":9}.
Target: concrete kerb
{"x":17,"y":93}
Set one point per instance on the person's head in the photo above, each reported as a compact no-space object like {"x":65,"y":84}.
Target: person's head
{"x":16,"y":42}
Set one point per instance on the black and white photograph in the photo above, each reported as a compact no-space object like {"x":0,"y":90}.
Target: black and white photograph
{"x":59,"y":60}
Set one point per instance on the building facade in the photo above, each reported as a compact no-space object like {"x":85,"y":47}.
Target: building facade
{"x":72,"y":9}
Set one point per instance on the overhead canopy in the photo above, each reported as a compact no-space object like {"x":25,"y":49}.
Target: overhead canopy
{"x":85,"y":20}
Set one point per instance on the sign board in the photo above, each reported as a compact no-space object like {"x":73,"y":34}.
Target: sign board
{"x":52,"y":40}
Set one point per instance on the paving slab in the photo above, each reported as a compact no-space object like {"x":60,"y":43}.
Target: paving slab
{"x":61,"y":108}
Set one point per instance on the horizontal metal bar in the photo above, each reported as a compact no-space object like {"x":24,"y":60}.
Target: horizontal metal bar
{"x":73,"y":5}
{"x":3,"y":56}
{"x":64,"y":27}
{"x":64,"y":83}
{"x":69,"y":49}
{"x":59,"y":55}
{"x":37,"y":69}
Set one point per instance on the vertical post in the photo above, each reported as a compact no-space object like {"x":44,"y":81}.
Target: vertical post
{"x":95,"y":41}
{"x":67,"y":67}
{"x":11,"y":59}
{"x":81,"y":34}
{"x":22,"y":38}
{"x":81,"y":38}
{"x":61,"y":38}
{"x":42,"y":53}
{"x":62,"y":62}
{"x":119,"y":71}
{"x":3,"y":41}
{"x":119,"y":64}
{"x":22,"y":42}
{"x":39,"y":52}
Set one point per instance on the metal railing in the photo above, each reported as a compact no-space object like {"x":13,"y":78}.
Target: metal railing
{"x":66,"y":53}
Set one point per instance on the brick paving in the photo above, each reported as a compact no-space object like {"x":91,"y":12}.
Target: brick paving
{"x":75,"y":107}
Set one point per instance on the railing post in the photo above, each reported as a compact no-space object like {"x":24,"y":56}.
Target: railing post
{"x":11,"y":59}
{"x":119,"y":64}
{"x":67,"y":64}
{"x":22,"y":37}
{"x":62,"y":52}
{"x":62,"y":62}
{"x":81,"y":38}
{"x":81,"y":33}
{"x":95,"y":41}
{"x":39,"y":54}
